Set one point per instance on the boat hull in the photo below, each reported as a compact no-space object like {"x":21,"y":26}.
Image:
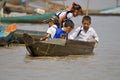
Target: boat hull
{"x":18,"y":35}
{"x":43,"y":18}
{"x":6,"y":40}
{"x":58,"y":47}
{"x":6,"y":35}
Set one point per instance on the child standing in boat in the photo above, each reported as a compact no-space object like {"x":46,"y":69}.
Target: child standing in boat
{"x":64,"y":15}
{"x":85,"y":32}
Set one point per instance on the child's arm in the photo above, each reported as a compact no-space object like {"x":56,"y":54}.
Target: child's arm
{"x":95,"y":37}
{"x":60,"y":20}
{"x":64,"y":36}
{"x":45,"y":37}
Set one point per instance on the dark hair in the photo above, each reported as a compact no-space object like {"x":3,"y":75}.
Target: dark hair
{"x":69,"y":23}
{"x":76,"y":6}
{"x":88,"y":18}
{"x":54,"y":20}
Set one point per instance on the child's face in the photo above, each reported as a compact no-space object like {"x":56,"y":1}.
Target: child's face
{"x":86,"y":23}
{"x":50,"y":24}
{"x":68,"y":29}
{"x":76,"y":13}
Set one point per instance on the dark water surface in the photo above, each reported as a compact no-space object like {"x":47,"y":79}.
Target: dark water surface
{"x":103,"y":65}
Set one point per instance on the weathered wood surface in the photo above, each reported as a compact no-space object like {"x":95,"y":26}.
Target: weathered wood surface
{"x":58,"y":47}
{"x":18,"y":35}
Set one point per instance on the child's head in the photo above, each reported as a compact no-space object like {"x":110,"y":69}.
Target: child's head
{"x":68,"y":26}
{"x":77,"y":9}
{"x":86,"y":21}
{"x":53,"y":21}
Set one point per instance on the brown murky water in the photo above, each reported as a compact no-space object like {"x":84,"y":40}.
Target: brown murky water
{"x":103,"y":65}
{"x":15,"y":64}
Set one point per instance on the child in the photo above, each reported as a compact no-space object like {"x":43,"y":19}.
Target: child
{"x":64,"y":15}
{"x":62,"y":32}
{"x":53,"y":22}
{"x":85,"y":32}
{"x":54,"y":32}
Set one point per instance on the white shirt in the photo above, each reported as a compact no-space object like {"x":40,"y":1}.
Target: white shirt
{"x":84,"y":36}
{"x":52,"y":30}
{"x":69,"y":15}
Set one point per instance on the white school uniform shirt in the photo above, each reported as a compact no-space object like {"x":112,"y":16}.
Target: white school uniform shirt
{"x":88,"y":36}
{"x":52,"y":30}
{"x":69,"y":15}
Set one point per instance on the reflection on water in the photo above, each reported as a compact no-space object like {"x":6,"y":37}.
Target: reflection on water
{"x":70,"y":57}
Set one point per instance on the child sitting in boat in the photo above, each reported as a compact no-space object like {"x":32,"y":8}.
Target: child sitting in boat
{"x":53,"y":22}
{"x":85,"y":32}
{"x":64,"y":15}
{"x":54,"y":31}
{"x":63,"y":32}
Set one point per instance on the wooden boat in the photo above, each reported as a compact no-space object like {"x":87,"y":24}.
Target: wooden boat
{"x":111,"y":10}
{"x":27,"y":19}
{"x":54,"y":7}
{"x":15,"y":2}
{"x":57,"y":47}
{"x":6,"y":34}
{"x":24,"y":7}
{"x":18,"y":35}
{"x":47,"y":5}
{"x":18,"y":8}
{"x":47,"y":8}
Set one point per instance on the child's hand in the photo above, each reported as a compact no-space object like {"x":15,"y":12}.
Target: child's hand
{"x":41,"y":39}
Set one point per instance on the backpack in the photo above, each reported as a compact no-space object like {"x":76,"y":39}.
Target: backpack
{"x":59,"y":33}
{"x":65,"y":15}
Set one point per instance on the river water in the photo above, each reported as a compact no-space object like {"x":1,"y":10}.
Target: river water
{"x":15,"y":64}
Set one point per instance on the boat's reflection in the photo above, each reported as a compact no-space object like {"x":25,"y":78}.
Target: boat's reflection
{"x":69,"y":57}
